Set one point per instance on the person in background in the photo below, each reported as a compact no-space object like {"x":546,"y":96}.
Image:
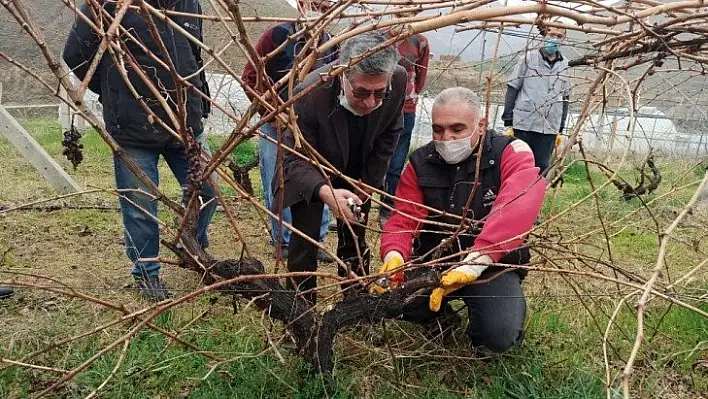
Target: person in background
{"x":414,"y":52}
{"x":537,"y":96}
{"x":136,"y":131}
{"x":275,"y":69}
{"x":507,"y":194}
{"x":353,"y":121}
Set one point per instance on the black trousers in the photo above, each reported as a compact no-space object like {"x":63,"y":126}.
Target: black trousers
{"x":496,"y":310}
{"x":302,"y":255}
{"x":541,"y":144}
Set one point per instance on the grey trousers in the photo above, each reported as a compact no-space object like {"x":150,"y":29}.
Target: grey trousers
{"x":496,"y":309}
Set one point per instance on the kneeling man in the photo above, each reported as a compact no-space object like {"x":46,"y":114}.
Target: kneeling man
{"x":493,"y":181}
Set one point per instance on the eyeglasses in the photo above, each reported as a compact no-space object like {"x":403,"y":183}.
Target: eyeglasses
{"x":361,"y":94}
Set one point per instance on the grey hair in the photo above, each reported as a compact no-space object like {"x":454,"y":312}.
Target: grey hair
{"x":459,"y":94}
{"x":383,"y":61}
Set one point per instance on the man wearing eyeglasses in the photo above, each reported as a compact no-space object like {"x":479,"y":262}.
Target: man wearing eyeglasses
{"x":353,"y":121}
{"x":538,"y":91}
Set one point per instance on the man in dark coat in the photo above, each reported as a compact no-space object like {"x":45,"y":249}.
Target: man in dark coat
{"x":137,"y":131}
{"x":353,"y":121}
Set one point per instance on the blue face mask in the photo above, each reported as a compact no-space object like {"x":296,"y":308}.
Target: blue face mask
{"x":551,"y":45}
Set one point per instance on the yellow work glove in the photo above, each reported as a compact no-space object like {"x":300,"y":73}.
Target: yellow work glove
{"x":472,"y":267}
{"x":392,"y":261}
{"x":509,"y":132}
{"x":559,"y":141}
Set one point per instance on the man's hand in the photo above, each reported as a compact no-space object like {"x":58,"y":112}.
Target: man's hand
{"x":337,"y":199}
{"x":392,"y":261}
{"x":473,"y":266}
{"x":509,"y":132}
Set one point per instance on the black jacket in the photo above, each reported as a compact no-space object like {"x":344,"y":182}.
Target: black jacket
{"x":124,"y":116}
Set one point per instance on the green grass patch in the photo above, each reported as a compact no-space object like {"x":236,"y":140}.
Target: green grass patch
{"x":245,"y":152}
{"x":561,"y":356}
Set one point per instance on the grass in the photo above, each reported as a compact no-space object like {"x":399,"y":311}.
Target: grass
{"x":561,"y":356}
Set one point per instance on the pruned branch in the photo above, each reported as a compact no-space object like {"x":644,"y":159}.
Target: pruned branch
{"x":646,"y":184}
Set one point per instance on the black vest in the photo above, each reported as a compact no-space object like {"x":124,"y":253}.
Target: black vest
{"x":448,"y":187}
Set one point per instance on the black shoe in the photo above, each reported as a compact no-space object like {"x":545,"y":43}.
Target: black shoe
{"x":152,"y":288}
{"x":6,"y":292}
{"x":283,"y":253}
{"x":482,"y":352}
{"x":324,"y":257}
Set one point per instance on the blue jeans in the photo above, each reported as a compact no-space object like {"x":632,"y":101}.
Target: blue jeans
{"x":268,"y":154}
{"x":398,"y":160}
{"x":142,"y":234}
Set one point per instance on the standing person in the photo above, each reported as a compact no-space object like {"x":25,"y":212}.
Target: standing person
{"x":136,"y":131}
{"x":507,"y":195}
{"x":275,"y":69}
{"x":353,"y":121}
{"x":414,"y":52}
{"x":537,"y":95}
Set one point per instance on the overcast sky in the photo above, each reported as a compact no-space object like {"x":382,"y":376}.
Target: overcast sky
{"x":469,"y":44}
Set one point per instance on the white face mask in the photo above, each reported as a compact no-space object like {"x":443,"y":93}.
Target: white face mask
{"x":345,"y":103}
{"x":454,"y":151}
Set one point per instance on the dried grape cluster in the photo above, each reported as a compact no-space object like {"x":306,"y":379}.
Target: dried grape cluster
{"x":196,"y":166}
{"x":72,"y":147}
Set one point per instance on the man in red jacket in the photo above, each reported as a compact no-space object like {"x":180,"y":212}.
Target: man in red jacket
{"x":414,"y":52}
{"x":506,"y":196}
{"x":276,"y":68}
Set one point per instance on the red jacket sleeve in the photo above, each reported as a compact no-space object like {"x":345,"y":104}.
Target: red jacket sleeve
{"x":421,"y":66}
{"x":264,"y":46}
{"x":517,"y":204}
{"x":400,"y":229}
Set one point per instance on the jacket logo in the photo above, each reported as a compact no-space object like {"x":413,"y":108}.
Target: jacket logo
{"x":191,"y":26}
{"x":489,"y":197}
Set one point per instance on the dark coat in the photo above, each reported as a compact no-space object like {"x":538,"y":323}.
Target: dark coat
{"x":323,"y":123}
{"x":125,"y":118}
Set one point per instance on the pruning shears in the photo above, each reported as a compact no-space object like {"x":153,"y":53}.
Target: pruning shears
{"x":356,"y":210}
{"x":383,"y":282}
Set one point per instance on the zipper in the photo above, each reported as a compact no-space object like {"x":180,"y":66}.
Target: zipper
{"x":176,"y":62}
{"x":174,"y":46}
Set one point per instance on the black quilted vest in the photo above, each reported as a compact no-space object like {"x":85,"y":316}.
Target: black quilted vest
{"x":447,"y":188}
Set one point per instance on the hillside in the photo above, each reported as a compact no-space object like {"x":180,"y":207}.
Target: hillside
{"x":681,"y":94}
{"x":443,"y":74}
